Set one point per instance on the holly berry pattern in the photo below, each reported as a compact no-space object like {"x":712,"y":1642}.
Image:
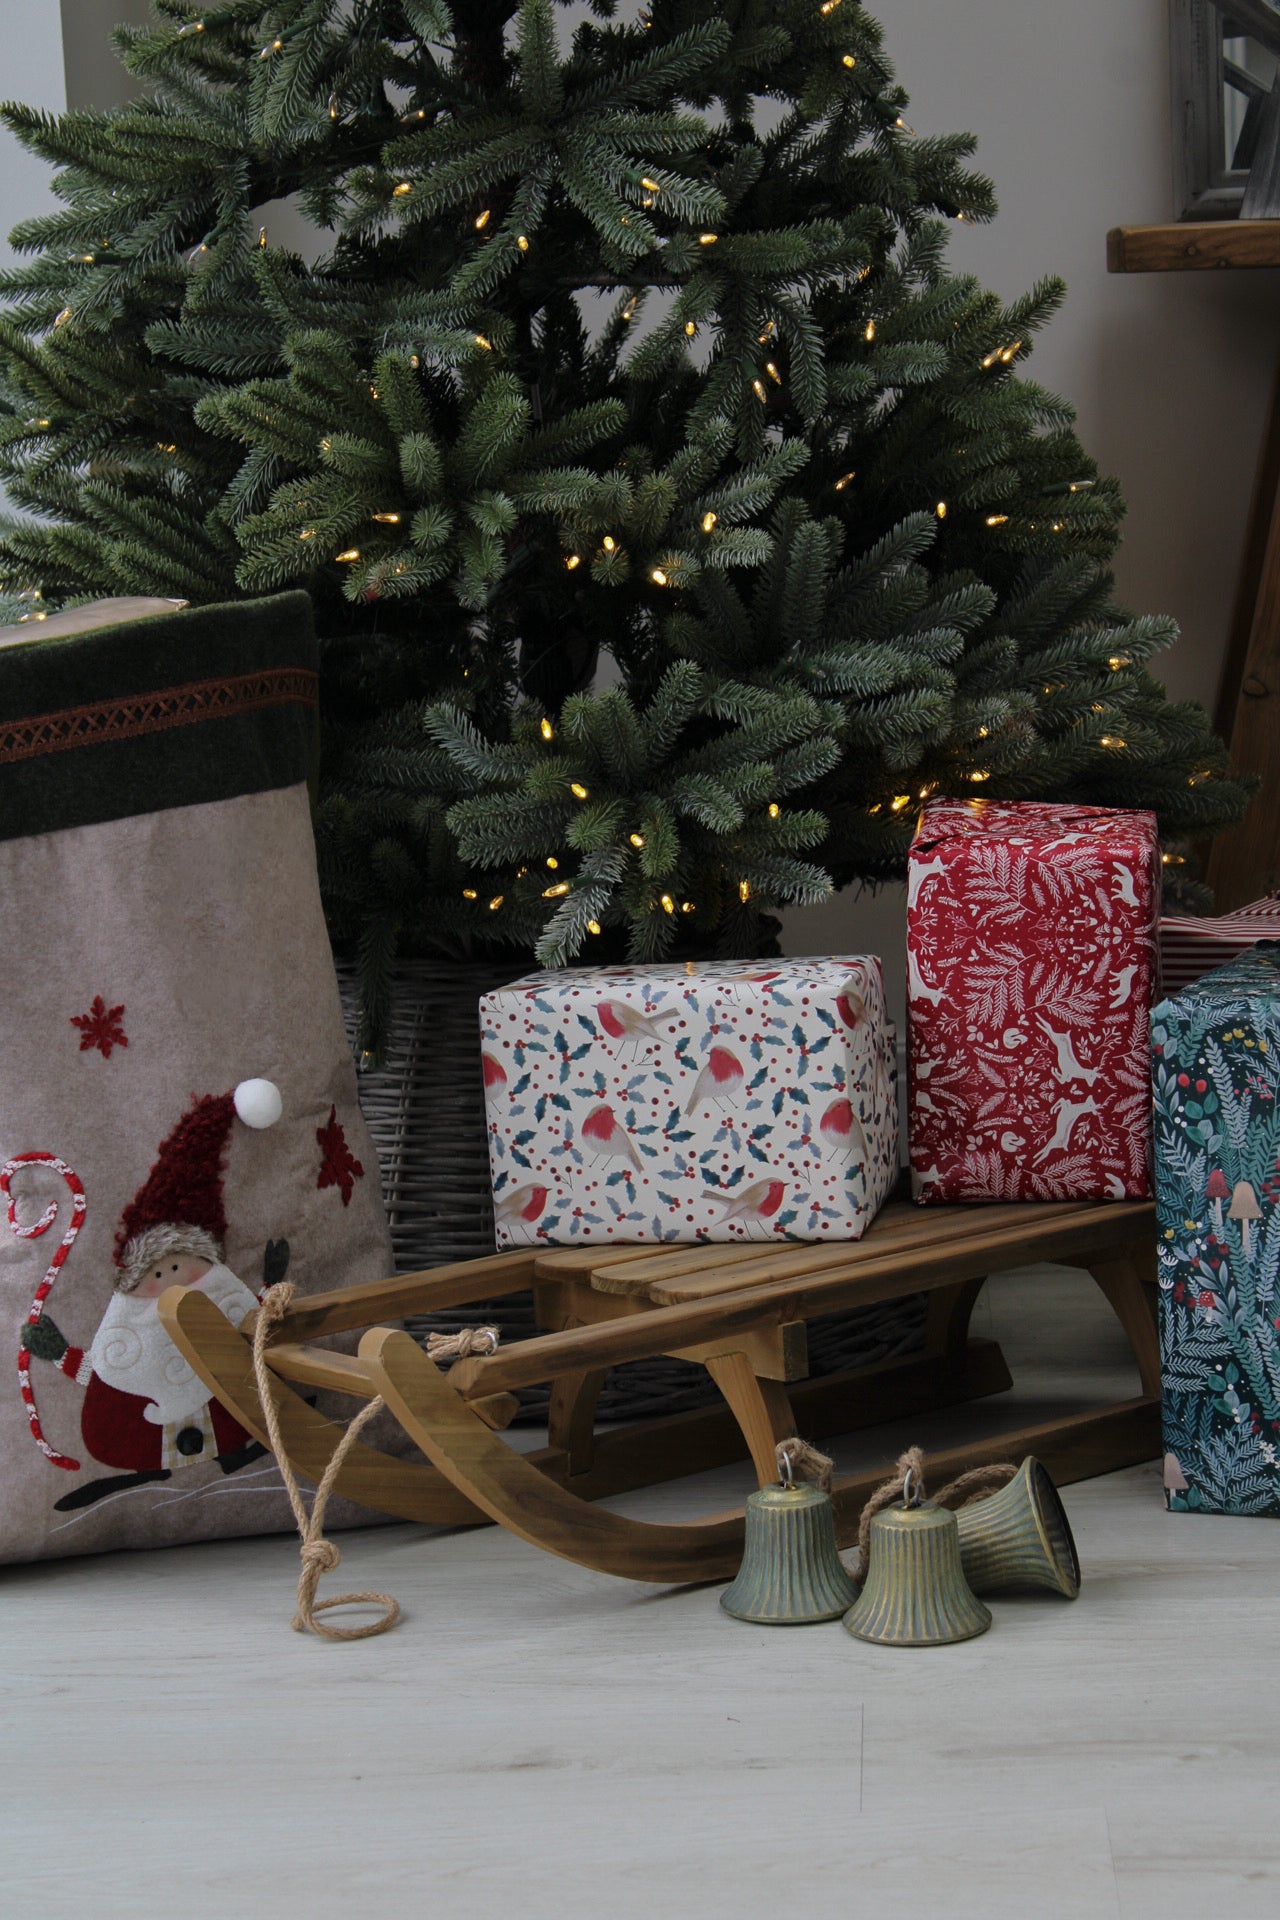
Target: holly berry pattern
{"x":1030,"y":958}
{"x":718,"y":1102}
{"x":1216,"y":1092}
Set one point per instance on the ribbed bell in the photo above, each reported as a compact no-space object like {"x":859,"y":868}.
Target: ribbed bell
{"x":791,"y":1573}
{"x":915,"y":1593}
{"x":1019,"y":1538}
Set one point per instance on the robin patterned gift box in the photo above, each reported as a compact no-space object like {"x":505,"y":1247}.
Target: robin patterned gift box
{"x":731,"y":1101}
{"x":1216,"y":1090}
{"x":1030,"y":959}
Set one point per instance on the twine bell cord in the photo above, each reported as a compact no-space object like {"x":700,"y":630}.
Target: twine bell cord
{"x":973,"y":1485}
{"x":796,"y":1459}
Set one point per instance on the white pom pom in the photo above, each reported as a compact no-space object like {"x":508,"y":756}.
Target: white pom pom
{"x":258,"y":1102}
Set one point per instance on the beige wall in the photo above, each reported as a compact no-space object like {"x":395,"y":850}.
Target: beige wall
{"x":95,"y":77}
{"x":30,"y":71}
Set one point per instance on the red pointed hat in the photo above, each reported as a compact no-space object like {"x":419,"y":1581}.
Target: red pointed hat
{"x":184,"y":1187}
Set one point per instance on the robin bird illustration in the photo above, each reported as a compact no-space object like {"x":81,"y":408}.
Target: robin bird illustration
{"x":759,"y":1201}
{"x":631,"y":1027}
{"x":521,"y":1203}
{"x":495,"y":1074}
{"x":842,"y":1130}
{"x":607,"y":1136}
{"x":851,"y":1007}
{"x":720,"y":1079}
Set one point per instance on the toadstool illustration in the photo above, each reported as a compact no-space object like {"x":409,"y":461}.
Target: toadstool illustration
{"x":1244,"y":1208}
{"x":1216,"y":1192}
{"x":1175,"y":1480}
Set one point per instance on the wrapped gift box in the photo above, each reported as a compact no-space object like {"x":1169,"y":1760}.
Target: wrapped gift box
{"x":1190,"y":947}
{"x":1030,"y":957}
{"x":1216,"y":1086}
{"x":732,"y":1101}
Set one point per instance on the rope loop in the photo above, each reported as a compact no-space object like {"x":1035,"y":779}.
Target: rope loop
{"x":317,"y":1555}
{"x":795,"y":1458}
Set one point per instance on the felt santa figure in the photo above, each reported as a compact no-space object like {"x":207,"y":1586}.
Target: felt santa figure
{"x":146,"y":1411}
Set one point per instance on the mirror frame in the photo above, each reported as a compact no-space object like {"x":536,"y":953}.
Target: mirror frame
{"x":1204,"y":188}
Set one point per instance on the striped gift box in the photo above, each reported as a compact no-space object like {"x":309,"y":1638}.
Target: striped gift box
{"x":1190,"y":947}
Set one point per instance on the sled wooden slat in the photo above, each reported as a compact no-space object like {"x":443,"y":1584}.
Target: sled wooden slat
{"x":317,"y":1367}
{"x":1003,"y":1245}
{"x":346,"y":1308}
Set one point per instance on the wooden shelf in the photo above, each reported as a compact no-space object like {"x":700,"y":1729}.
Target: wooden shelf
{"x":1244,"y":861}
{"x":1188,"y":246}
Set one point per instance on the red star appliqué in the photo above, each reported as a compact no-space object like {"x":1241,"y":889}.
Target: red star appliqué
{"x":339,"y":1167}
{"x":100,"y":1028}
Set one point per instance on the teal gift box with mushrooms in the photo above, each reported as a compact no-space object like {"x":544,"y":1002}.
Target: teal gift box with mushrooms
{"x":1216,"y":1092}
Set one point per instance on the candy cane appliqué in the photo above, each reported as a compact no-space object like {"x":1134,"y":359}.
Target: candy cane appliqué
{"x":33,"y":1232}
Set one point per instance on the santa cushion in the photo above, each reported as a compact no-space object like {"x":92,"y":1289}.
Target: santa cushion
{"x":177,"y":1101}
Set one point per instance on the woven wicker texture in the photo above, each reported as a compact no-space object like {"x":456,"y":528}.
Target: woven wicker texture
{"x":425,"y":1109}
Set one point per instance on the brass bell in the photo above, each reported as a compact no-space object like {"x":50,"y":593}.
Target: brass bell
{"x":914,"y":1593}
{"x":1019,"y":1538}
{"x":791,"y":1573}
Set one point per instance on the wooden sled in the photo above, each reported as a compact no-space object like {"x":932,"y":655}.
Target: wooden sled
{"x":740,"y":1310}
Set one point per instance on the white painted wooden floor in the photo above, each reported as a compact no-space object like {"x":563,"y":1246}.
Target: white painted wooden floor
{"x":541,"y":1743}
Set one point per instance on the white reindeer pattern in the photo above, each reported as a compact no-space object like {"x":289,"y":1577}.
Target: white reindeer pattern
{"x":1066,"y":1114}
{"x":1068,"y":1068}
{"x":1028,"y":931}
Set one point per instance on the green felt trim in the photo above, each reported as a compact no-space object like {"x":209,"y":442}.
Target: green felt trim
{"x":169,"y":711}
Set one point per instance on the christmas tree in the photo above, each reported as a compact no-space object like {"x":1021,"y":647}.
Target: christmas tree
{"x":675,"y":519}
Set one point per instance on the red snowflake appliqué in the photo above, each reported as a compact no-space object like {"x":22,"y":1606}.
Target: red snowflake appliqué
{"x":339,"y":1167}
{"x":100,"y":1028}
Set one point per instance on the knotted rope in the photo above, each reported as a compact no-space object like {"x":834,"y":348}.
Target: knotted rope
{"x":467,"y":1340}
{"x":797,"y":1460}
{"x":318,"y":1554}
{"x":957,"y":1493}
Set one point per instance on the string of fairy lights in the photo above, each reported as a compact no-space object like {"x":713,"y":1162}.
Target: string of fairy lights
{"x":667,"y":571}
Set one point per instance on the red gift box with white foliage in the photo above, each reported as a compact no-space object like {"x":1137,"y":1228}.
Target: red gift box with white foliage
{"x":1031,"y":942}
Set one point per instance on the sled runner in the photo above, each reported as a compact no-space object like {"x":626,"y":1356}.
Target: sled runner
{"x":741,"y":1312}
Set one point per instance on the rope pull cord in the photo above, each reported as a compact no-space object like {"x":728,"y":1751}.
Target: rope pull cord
{"x":318,"y":1555}
{"x":906,"y":1483}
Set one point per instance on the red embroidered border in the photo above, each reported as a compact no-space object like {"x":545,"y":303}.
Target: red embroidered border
{"x":155,"y":712}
